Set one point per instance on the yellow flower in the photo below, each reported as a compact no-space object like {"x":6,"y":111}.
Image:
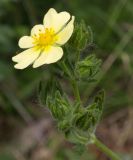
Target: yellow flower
{"x":43,"y":45}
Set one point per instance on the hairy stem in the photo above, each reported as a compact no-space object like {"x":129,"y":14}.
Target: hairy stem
{"x":73,"y":82}
{"x":76,"y":90}
{"x":105,"y":149}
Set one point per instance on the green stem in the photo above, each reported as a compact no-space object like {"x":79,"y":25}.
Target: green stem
{"x":76,"y":90}
{"x":78,"y":55}
{"x":105,"y":149}
{"x":66,"y":70}
{"x":73,"y":82}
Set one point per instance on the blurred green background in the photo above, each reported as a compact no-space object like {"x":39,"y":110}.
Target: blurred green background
{"x":26,"y":128}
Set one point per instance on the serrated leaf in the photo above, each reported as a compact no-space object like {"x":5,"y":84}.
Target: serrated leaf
{"x":88,"y":67}
{"x":58,"y":105}
{"x":48,"y":88}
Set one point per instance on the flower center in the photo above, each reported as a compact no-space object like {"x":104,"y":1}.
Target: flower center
{"x":45,"y":39}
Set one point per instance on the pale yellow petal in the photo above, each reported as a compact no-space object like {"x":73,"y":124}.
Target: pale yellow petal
{"x":51,"y":56}
{"x":55,"y":20}
{"x":26,"y":58}
{"x":37,"y":29}
{"x":66,"y":33}
{"x":26,"y":42}
{"x":41,"y":60}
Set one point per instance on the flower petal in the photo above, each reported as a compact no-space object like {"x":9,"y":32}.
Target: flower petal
{"x":50,"y":56}
{"x":66,"y":33}
{"x":25,"y":58}
{"x":26,"y":42}
{"x":37,"y":29}
{"x":55,"y":20}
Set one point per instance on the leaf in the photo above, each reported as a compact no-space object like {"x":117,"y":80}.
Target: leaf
{"x":58,"y":105}
{"x":96,"y":108}
{"x":88,"y":67}
{"x":47,"y":88}
{"x":99,"y":99}
{"x":87,"y":118}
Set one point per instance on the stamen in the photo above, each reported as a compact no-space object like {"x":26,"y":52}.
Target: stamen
{"x":45,"y":39}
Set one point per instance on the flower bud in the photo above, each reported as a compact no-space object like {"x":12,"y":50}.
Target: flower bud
{"x":81,"y":36}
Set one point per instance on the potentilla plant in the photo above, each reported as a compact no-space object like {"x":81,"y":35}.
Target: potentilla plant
{"x":48,"y":43}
